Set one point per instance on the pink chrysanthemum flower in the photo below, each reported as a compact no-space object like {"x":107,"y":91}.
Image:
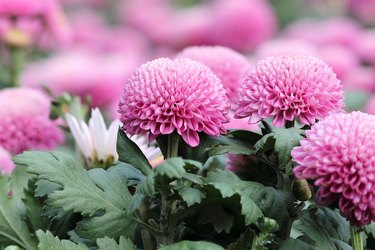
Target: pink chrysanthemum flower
{"x":339,"y":154}
{"x":24,"y":121}
{"x":6,"y":163}
{"x":165,"y":95}
{"x":290,"y":87}
{"x":229,"y":65}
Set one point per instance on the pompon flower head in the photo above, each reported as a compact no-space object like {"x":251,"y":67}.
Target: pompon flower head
{"x":339,"y":154}
{"x":290,"y":87}
{"x":229,"y":65}
{"x":164,"y":95}
{"x":24,"y":121}
{"x":6,"y":163}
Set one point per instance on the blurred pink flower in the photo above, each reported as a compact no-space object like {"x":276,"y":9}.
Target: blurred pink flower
{"x":34,"y":17}
{"x":83,"y":73}
{"x":290,"y":87}
{"x":240,"y":124}
{"x":366,"y":46}
{"x":339,"y":154}
{"x":284,"y":47}
{"x":364,"y":10}
{"x":342,"y":59}
{"x":360,"y":79}
{"x":336,"y":30}
{"x":165,"y":95}
{"x":241,"y":24}
{"x":229,"y":65}
{"x":24,"y":121}
{"x":6,"y":163}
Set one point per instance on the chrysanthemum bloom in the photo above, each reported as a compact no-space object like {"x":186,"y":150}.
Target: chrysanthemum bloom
{"x":339,"y":154}
{"x":34,"y":17}
{"x":165,"y":95}
{"x":6,"y":163}
{"x":363,"y":10}
{"x":229,"y":65}
{"x":360,"y":78}
{"x":24,"y":121}
{"x":288,"y":88}
{"x":366,"y":46}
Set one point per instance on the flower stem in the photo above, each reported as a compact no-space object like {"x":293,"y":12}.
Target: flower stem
{"x":356,"y":236}
{"x":173,"y":141}
{"x":16,"y":65}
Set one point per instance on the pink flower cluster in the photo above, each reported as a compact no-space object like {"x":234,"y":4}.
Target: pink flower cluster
{"x":289,"y":87}
{"x":6,"y":163}
{"x":164,"y":95}
{"x":338,"y":154}
{"x":24,"y":121}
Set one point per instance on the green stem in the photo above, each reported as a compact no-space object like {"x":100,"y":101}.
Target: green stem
{"x":16,"y":65}
{"x":173,"y":141}
{"x":356,"y":236}
{"x":146,"y":239}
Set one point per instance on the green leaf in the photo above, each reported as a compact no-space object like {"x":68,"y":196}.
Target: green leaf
{"x":232,"y":149}
{"x":48,"y":242}
{"x":370,"y":229}
{"x":227,"y":182}
{"x":308,"y":225}
{"x":134,"y":203}
{"x":197,"y":179}
{"x":247,"y":135}
{"x":129,"y":152}
{"x":191,"y":195}
{"x":13,"y":229}
{"x":85,"y":192}
{"x":192,"y":245}
{"x":192,"y":166}
{"x":295,"y":244}
{"x":286,"y":140}
{"x":212,"y":213}
{"x":128,"y":171}
{"x":250,"y":210}
{"x":266,"y":143}
{"x":173,"y":168}
{"x":147,"y":186}
{"x":244,"y":242}
{"x":110,"y":244}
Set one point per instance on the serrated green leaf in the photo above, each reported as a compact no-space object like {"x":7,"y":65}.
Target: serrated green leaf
{"x":266,"y":143}
{"x":250,"y":210}
{"x":308,"y":225}
{"x":231,"y":149}
{"x":197,"y":179}
{"x":13,"y":229}
{"x":110,"y":244}
{"x":48,"y":242}
{"x":192,"y":166}
{"x":295,"y":244}
{"x":228,"y":183}
{"x":128,"y":171}
{"x":212,"y":213}
{"x":247,"y":135}
{"x":85,"y":192}
{"x":370,"y":229}
{"x":286,"y":140}
{"x":134,"y":203}
{"x":243,"y":242}
{"x":172,"y":168}
{"x":191,"y":195}
{"x":129,"y":152}
{"x":192,"y":245}
{"x":147,"y":186}
{"x":44,"y":188}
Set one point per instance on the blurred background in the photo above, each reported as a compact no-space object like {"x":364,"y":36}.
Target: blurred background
{"x":90,"y":47}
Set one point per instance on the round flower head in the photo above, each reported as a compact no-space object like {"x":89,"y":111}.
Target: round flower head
{"x":339,"y":154}
{"x":229,"y":65}
{"x":6,"y":163}
{"x":24,"y":121}
{"x":290,"y":87}
{"x":164,"y":95}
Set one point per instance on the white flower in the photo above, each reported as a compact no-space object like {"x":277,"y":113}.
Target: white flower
{"x":97,"y":144}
